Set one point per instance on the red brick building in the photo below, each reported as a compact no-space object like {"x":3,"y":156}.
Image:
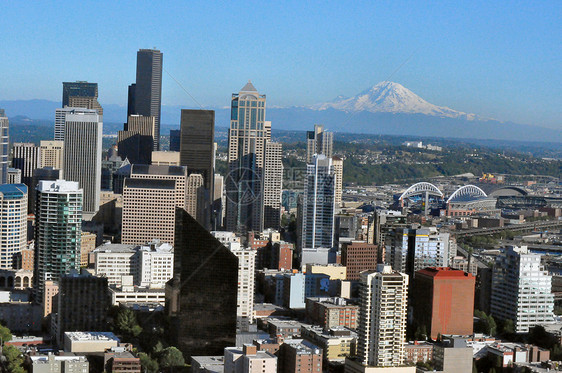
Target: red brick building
{"x":443,"y":300}
{"x":359,"y":256}
{"x":299,"y":356}
{"x":332,"y":312}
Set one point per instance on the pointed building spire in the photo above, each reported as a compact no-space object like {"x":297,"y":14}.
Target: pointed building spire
{"x":249,"y":87}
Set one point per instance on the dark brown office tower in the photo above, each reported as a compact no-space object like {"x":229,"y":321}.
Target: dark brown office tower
{"x":136,"y":141}
{"x":148,"y":88}
{"x":358,"y":257}
{"x":201,"y":297}
{"x":197,"y":153}
{"x":83,"y":303}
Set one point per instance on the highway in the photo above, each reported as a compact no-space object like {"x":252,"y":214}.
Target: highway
{"x":534,"y":226}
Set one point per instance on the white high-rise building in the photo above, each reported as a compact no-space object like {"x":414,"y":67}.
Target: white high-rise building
{"x":150,"y":265}
{"x":318,"y":204}
{"x":337,"y":161}
{"x":13,"y":222}
{"x":58,"y":231}
{"x":521,"y":289}
{"x":382,"y":317}
{"x":246,"y":280}
{"x":4,"y":142}
{"x":272,"y":185}
{"x":82,"y":155}
{"x":60,"y":119}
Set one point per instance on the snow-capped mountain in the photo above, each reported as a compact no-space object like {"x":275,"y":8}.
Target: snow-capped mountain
{"x":390,"y":97}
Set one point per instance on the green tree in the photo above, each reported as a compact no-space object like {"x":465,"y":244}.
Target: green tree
{"x":508,"y":328}
{"x":5,"y":334}
{"x":148,"y":364}
{"x":492,"y":325}
{"x":421,"y":333}
{"x":171,"y":357}
{"x":14,"y":359}
{"x":126,"y":322}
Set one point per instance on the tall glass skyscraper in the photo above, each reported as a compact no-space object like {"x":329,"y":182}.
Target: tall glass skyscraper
{"x":145,"y":96}
{"x":246,"y":157}
{"x":318,"y":204}
{"x":58,"y":231}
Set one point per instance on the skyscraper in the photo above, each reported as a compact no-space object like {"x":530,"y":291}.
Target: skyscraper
{"x":272,"y":185}
{"x":318,"y":204}
{"x":202,"y":297}
{"x":82,"y":156}
{"x":58,"y":229}
{"x":146,"y":94}
{"x":175,"y":140}
{"x":382,"y":317}
{"x":26,"y":157}
{"x":197,"y":153}
{"x":337,"y":161}
{"x":136,"y":141}
{"x":13,"y":223}
{"x":246,"y":284}
{"x":409,"y":250}
{"x":83,"y":304}
{"x":148,"y":211}
{"x":60,"y":119}
{"x":443,"y":301}
{"x":81,"y":95}
{"x":51,"y":154}
{"x":318,"y":142}
{"x":521,"y":289}
{"x":246,"y":150}
{"x":4,"y":142}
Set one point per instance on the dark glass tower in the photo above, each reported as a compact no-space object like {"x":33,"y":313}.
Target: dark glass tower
{"x":197,"y":153}
{"x":78,"y":89}
{"x":201,"y":297}
{"x":145,"y":95}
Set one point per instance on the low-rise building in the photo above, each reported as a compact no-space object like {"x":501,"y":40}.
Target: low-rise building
{"x":418,"y":352}
{"x":119,"y":360}
{"x":299,"y":355}
{"x":59,"y":364}
{"x":207,"y":364}
{"x":330,"y":312}
{"x":248,"y":360}
{"x":83,"y":342}
{"x":336,"y":343}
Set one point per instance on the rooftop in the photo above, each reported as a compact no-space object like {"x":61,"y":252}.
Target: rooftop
{"x":150,"y":184}
{"x":163,"y":170}
{"x":444,"y":272}
{"x":91,"y":336}
{"x":13,"y":191}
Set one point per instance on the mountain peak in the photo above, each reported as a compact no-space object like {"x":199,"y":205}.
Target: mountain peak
{"x":390,"y":97}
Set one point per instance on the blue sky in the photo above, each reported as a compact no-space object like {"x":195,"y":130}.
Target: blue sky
{"x":496,"y":59}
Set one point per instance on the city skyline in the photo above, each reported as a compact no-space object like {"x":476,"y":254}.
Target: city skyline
{"x":497,"y":61}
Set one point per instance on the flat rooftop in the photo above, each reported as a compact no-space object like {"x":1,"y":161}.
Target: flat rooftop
{"x":91,"y":336}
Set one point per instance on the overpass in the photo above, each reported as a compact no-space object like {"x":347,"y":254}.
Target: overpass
{"x":534,"y":226}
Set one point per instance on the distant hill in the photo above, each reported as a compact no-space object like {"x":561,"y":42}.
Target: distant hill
{"x":387,"y":108}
